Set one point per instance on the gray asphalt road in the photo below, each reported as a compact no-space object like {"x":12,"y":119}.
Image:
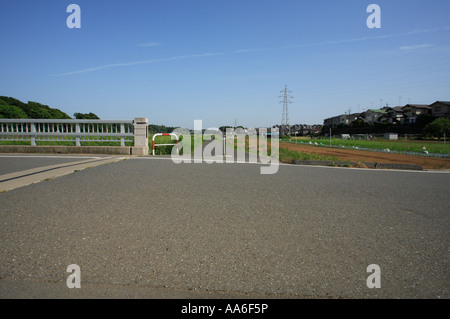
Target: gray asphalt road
{"x":224,"y":229}
{"x":16,"y":163}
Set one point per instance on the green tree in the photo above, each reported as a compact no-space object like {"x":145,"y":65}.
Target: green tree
{"x":359,"y":123}
{"x":32,"y":110}
{"x":14,"y":102}
{"x":11,"y":111}
{"x":423,"y":120}
{"x":223,"y":129}
{"x":86,"y":116}
{"x":59,"y":115}
{"x":437,"y":128}
{"x":38,"y":111}
{"x":153,"y":128}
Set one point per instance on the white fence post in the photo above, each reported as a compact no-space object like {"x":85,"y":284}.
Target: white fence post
{"x":33,"y":134}
{"x":77,"y":131}
{"x":122,"y":131}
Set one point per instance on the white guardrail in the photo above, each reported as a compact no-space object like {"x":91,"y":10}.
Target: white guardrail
{"x":77,"y":131}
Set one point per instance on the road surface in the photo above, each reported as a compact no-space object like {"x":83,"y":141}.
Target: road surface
{"x":148,"y":228}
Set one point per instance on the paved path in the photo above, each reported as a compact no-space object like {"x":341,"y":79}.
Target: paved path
{"x":146,"y":227}
{"x":20,"y":170}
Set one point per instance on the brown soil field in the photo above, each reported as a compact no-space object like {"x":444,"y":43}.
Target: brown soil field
{"x":371,"y":156}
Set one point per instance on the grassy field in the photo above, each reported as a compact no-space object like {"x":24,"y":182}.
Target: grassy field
{"x":382,"y":144}
{"x":288,"y":156}
{"x":285,"y":155}
{"x":167,"y":149}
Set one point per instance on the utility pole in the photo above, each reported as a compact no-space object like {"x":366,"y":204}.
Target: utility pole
{"x":285,"y":129}
{"x":330,"y":136}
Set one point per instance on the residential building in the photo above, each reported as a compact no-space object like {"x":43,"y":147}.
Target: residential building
{"x":398,"y":115}
{"x":343,"y":119}
{"x":332,"y":121}
{"x":373,"y":116}
{"x":440,"y":109}
{"x":394,"y":115}
{"x":412,"y":111}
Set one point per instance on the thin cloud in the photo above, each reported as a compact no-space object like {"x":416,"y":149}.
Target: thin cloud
{"x":343,"y":41}
{"x":249,"y":50}
{"x":416,"y":47}
{"x":116,"y":65}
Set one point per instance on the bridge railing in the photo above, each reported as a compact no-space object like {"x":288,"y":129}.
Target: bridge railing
{"x":77,"y":131}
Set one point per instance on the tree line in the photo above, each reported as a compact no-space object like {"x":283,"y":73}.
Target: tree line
{"x":11,"y":108}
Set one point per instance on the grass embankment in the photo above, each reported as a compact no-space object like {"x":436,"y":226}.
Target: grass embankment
{"x":289,"y":156}
{"x":415,"y":146}
{"x":285,"y":155}
{"x":251,"y":146}
{"x":167,"y":149}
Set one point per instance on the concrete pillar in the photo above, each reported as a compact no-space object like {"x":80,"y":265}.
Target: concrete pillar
{"x":78,"y":131}
{"x":122,"y":131}
{"x":140,"y":136}
{"x":33,"y":134}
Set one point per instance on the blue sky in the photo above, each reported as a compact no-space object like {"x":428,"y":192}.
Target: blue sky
{"x":224,"y":61}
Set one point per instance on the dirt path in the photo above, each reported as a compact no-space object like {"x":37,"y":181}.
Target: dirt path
{"x":370,"y":156}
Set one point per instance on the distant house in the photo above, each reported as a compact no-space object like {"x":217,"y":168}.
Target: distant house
{"x":398,"y":115}
{"x":440,"y":109}
{"x":412,"y":111}
{"x":394,"y":115}
{"x":373,"y":116}
{"x":350,"y":118}
{"x":332,"y":122}
{"x":343,"y":119}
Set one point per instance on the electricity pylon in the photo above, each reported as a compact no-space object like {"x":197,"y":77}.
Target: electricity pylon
{"x":285,"y":128}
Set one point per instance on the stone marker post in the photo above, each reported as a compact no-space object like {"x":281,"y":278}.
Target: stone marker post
{"x":140,"y":136}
